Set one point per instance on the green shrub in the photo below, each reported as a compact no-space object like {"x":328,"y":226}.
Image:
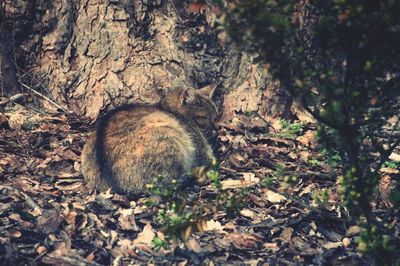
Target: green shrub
{"x":340,"y":60}
{"x":180,"y":213}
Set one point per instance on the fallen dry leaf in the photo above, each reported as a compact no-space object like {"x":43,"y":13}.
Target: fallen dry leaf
{"x":346,"y":242}
{"x":211,"y":225}
{"x":332,"y":245}
{"x":126,"y":247}
{"x":245,"y":241}
{"x":394,"y":156}
{"x":144,"y":238}
{"x":195,"y":7}
{"x":127,"y":220}
{"x":248,"y":180}
{"x":41,"y":250}
{"x":49,"y":221}
{"x":194,"y":246}
{"x":248,"y":213}
{"x":272,"y":196}
{"x":304,"y":156}
{"x":15,"y":234}
{"x":308,"y":138}
{"x":271,"y":246}
{"x":307,"y":190}
{"x":302,"y":114}
{"x":353,"y":230}
{"x":387,"y":170}
{"x":90,"y":257}
{"x":286,"y":234}
{"x":62,"y":248}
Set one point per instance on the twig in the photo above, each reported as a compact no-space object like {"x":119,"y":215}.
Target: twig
{"x":176,"y":11}
{"x":30,"y":76}
{"x":226,"y":169}
{"x":47,"y":99}
{"x":32,"y":108}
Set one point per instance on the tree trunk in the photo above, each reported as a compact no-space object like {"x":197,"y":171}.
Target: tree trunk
{"x":93,"y":55}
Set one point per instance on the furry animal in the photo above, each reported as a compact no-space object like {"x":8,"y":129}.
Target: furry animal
{"x":135,"y":143}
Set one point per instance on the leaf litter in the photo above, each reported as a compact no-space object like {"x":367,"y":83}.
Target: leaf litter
{"x":48,"y":216}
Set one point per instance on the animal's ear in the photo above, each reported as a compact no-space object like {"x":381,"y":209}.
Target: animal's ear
{"x":187,"y":96}
{"x":208,"y":91}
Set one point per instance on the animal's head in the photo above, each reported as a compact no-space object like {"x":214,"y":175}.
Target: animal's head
{"x":196,"y":104}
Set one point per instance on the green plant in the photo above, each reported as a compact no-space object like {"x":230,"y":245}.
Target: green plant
{"x":377,"y":242}
{"x":180,"y":214}
{"x":289,"y":130}
{"x":326,"y":157}
{"x":176,"y":214}
{"x":392,"y":164}
{"x":158,"y":243}
{"x":321,"y":197}
{"x":339,"y":58}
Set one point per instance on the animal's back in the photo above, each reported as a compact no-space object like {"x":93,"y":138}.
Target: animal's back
{"x":136,"y":144}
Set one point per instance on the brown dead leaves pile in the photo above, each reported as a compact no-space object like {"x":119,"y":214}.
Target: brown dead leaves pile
{"x":48,"y":216}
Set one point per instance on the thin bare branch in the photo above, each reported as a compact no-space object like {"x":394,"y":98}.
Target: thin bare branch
{"x":46,"y":98}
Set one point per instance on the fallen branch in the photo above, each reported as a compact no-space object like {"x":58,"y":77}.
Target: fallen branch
{"x":47,"y":99}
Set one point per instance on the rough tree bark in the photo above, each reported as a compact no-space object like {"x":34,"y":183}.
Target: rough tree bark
{"x":96,"y":54}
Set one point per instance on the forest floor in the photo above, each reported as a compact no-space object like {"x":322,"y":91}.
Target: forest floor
{"x":48,"y":216}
